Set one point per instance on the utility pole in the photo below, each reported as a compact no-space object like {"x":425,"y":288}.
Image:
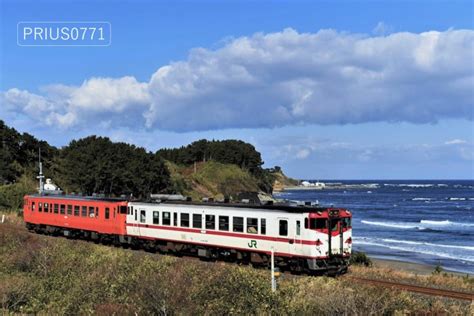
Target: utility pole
{"x":40,"y":175}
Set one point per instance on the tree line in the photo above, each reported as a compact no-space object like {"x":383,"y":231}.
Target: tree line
{"x":19,"y":154}
{"x":89,"y":165}
{"x":231,"y":151}
{"x":98,"y":165}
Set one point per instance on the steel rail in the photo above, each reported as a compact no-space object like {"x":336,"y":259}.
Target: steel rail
{"x":416,"y":288}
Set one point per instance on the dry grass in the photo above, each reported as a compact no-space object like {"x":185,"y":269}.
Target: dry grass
{"x":47,"y":275}
{"x":442,"y":280}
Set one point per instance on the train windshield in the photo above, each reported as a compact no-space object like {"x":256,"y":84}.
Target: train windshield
{"x":322,"y":223}
{"x":346,"y":222}
{"x":333,"y":223}
{"x":318,"y":223}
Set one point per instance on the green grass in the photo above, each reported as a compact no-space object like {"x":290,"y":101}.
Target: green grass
{"x":211,"y":179}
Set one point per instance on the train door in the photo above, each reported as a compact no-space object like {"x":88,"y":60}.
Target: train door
{"x":297,"y":237}
{"x":201,"y":222}
{"x":335,"y":236}
{"x":136,"y":229}
{"x":141,"y":223}
{"x":283,"y":232}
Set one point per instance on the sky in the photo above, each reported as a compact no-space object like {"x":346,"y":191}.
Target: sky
{"x":324,"y":89}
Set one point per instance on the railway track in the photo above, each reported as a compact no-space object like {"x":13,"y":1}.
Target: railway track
{"x":416,"y":288}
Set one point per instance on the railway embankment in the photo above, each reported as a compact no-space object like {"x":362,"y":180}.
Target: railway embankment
{"x":55,"y":275}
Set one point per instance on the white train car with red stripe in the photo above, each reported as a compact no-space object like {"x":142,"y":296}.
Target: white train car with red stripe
{"x":303,"y":238}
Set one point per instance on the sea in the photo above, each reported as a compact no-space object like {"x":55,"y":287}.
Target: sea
{"x":420,"y":221}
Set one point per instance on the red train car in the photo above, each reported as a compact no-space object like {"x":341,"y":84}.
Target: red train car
{"x":76,"y":216}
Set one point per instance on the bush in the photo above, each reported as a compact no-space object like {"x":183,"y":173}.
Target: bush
{"x":360,"y":258}
{"x":11,"y":195}
{"x":438,"y":269}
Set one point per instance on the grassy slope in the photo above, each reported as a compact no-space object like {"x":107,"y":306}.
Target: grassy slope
{"x":48,"y":275}
{"x":281,"y":181}
{"x":211,"y":179}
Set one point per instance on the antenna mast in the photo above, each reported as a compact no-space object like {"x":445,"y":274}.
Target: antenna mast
{"x":40,"y":176}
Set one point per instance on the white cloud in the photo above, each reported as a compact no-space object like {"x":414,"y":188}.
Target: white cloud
{"x":110,"y":95}
{"x":303,"y":153}
{"x":278,"y":79}
{"x":382,"y":28}
{"x":455,"y":142}
{"x":97,"y":100}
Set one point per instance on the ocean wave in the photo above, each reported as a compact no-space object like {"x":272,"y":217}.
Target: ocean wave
{"x":391,"y":224}
{"x":415,"y":248}
{"x":413,"y":185}
{"x":456,"y":199}
{"x":445,"y":223}
{"x":427,"y":185}
{"x":421,"y":199}
{"x":409,"y":242}
{"x":421,"y":225}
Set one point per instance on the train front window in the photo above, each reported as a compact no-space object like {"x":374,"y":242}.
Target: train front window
{"x":346,"y":222}
{"x":318,"y":223}
{"x":334,"y":225}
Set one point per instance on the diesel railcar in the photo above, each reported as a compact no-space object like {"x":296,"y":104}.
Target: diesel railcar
{"x":310,"y":239}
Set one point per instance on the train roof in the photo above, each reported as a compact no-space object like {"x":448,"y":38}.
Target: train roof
{"x":79,"y":197}
{"x":285,"y":207}
{"x":270,"y":207}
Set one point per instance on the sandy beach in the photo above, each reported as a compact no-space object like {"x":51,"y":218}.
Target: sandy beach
{"x":415,"y":268}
